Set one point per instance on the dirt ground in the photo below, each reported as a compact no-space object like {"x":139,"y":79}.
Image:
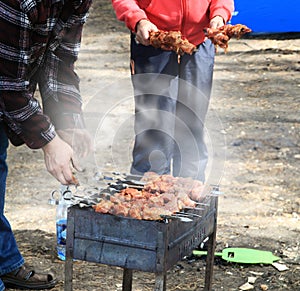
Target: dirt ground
{"x":255,"y":121}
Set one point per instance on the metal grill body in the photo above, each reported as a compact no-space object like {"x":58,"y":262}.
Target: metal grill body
{"x":142,"y":245}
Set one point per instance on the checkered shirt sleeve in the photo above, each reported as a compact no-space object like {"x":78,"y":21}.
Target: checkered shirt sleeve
{"x":39,"y":44}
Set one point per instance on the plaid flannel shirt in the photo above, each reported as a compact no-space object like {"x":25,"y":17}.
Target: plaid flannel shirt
{"x":39,"y":43}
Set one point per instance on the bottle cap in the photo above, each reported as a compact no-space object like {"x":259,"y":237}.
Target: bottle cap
{"x":52,"y":201}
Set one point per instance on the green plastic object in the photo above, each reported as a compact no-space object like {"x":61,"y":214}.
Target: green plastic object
{"x":243,"y":255}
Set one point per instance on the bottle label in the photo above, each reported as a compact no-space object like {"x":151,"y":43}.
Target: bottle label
{"x":61,"y":231}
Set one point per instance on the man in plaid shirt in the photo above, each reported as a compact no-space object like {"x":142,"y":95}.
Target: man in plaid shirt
{"x":39,"y":43}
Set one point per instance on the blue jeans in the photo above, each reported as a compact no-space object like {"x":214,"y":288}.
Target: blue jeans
{"x":10,"y":257}
{"x":171,"y":102}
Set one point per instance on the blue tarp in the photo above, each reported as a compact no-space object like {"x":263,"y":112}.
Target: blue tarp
{"x":266,"y":16}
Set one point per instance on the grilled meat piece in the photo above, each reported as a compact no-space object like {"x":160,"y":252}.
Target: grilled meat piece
{"x":135,"y":212}
{"x":171,"y":41}
{"x":121,"y":209}
{"x":154,"y":213}
{"x":184,"y":200}
{"x":149,"y":176}
{"x":104,"y":206}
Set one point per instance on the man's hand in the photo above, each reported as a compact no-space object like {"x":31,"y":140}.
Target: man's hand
{"x":59,"y":161}
{"x":216,"y":22}
{"x":142,"y":31}
{"x":79,"y":139}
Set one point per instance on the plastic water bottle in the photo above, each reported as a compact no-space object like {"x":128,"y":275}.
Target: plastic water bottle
{"x":61,"y":228}
{"x":61,"y":223}
{"x":62,"y":200}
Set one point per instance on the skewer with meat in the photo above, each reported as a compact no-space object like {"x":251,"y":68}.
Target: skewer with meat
{"x":221,"y":36}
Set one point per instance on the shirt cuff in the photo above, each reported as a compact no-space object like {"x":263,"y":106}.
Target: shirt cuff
{"x":223,"y":13}
{"x":134,"y":18}
{"x":69,"y":121}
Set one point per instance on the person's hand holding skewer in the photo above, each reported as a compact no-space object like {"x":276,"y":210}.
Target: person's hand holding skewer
{"x":216,"y":22}
{"x":143,"y":29}
{"x":60,"y":161}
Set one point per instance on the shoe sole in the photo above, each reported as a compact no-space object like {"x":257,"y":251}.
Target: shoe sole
{"x":17,"y":285}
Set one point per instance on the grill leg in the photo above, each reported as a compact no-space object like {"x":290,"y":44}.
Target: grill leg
{"x":68,"y":274}
{"x":160,"y":282}
{"x":211,"y":246}
{"x":127,"y":280}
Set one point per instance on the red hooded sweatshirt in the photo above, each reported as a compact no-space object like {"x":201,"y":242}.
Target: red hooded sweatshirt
{"x":188,"y":16}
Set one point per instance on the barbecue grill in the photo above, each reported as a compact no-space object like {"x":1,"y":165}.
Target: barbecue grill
{"x":141,"y":245}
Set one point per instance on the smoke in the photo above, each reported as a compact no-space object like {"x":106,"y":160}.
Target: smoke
{"x":173,"y":132}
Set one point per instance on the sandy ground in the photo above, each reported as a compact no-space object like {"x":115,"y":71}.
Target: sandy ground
{"x":255,"y":124}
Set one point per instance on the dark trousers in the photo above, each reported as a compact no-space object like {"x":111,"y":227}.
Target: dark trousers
{"x":10,"y":257}
{"x":171,"y":102}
